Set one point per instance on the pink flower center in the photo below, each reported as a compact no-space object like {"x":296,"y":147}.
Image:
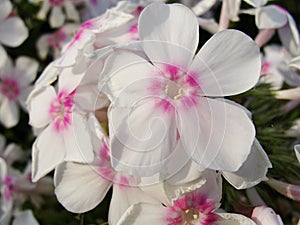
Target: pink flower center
{"x":265,"y":68}
{"x":56,"y":2}
{"x":193,"y":207}
{"x":10,"y":88}
{"x":133,"y":32}
{"x":55,"y":40}
{"x":8,"y":188}
{"x":61,"y":110}
{"x":108,"y":173}
{"x":177,"y":87}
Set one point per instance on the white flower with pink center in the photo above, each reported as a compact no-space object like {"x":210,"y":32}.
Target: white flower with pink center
{"x":116,"y":26}
{"x":64,"y":128}
{"x":13,"y":31}
{"x":57,"y":16}
{"x":166,"y":96}
{"x":54,"y":42}
{"x":193,"y":207}
{"x":81,"y":187}
{"x":15,"y":86}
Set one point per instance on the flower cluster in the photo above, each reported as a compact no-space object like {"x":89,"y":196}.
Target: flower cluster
{"x":133,"y":101}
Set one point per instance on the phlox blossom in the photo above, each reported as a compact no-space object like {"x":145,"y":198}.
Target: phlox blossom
{"x":165,"y":97}
{"x":13,"y":31}
{"x":15,"y":86}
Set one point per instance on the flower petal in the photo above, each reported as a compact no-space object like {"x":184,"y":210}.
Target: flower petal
{"x":3,"y":56}
{"x":13,"y":32}
{"x":203,"y":6}
{"x":48,"y":151}
{"x":219,"y":137}
{"x":5,"y":9}
{"x":126,"y":78}
{"x":79,"y":187}
{"x":169,"y":33}
{"x":253,"y":170}
{"x":233,"y":219}
{"x":25,"y":218}
{"x":9,"y":113}
{"x":269,"y":17}
{"x":256,"y":3}
{"x":27,"y":69}
{"x":39,"y":106}
{"x":139,"y":214}
{"x":43,"y":46}
{"x":297,"y":152}
{"x":71,"y":11}
{"x":123,"y":197}
{"x":78,"y":140}
{"x":263,"y":215}
{"x":57,"y":17}
{"x":143,"y":138}
{"x":229,"y":63}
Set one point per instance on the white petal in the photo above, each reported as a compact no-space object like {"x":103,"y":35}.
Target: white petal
{"x":219,"y":137}
{"x":3,"y":56}
{"x":68,"y":80}
{"x":229,"y":63}
{"x":126,"y":78}
{"x":13,"y":153}
{"x":48,"y":76}
{"x":27,"y":69}
{"x":42,"y":46}
{"x":3,"y":170}
{"x":78,"y":140}
{"x":144,"y":213}
{"x":6,"y":209}
{"x":39,"y":106}
{"x":269,"y":17}
{"x":234,"y":219}
{"x":232,"y":9}
{"x":79,"y":187}
{"x":22,"y":99}
{"x":253,"y":171}
{"x":287,"y":40}
{"x":203,"y":6}
{"x":256,"y":3}
{"x":297,"y":152}
{"x":71,"y":11}
{"x":13,"y":32}
{"x":263,"y":215}
{"x":5,"y":9}
{"x":44,"y":10}
{"x":209,"y":25}
{"x":208,"y":184}
{"x":25,"y":218}
{"x":143,"y":138}
{"x":7,"y":69}
{"x":123,"y":197}
{"x":294,"y":29}
{"x":9,"y":113}
{"x":48,"y":151}
{"x":57,"y":17}
{"x":169,"y":33}
{"x":181,"y":171}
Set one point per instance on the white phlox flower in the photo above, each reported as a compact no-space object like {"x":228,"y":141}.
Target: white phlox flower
{"x":13,"y":31}
{"x":15,"y":86}
{"x":159,"y":100}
